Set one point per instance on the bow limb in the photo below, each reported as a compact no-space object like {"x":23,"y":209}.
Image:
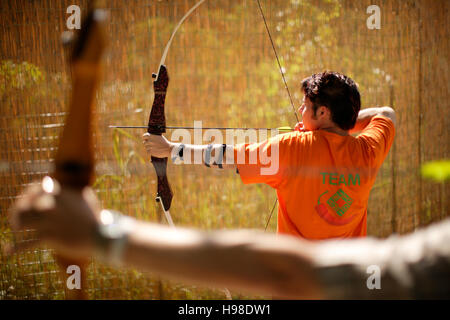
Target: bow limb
{"x":166,"y":49}
{"x":157,"y":122}
{"x":74,"y":160}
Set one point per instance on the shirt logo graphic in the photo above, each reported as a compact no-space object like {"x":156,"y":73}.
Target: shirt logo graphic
{"x":339,"y":202}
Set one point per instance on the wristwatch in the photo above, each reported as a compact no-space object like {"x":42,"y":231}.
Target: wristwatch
{"x":112,"y":236}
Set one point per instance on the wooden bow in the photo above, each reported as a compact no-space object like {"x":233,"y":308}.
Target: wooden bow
{"x":157,"y":126}
{"x":157,"y":122}
{"x":74,"y":160}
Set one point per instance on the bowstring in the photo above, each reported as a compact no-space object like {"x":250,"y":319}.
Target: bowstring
{"x":278,"y":60}
{"x":285,"y":85}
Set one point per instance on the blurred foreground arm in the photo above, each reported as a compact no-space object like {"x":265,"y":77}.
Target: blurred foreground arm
{"x":414,"y":266}
{"x":70,"y":222}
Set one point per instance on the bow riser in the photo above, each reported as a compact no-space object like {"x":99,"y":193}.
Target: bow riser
{"x":156,"y":126}
{"x":74,"y":160}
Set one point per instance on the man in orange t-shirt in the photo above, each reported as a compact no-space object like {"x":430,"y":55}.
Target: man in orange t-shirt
{"x":322,"y":174}
{"x":324,"y":178}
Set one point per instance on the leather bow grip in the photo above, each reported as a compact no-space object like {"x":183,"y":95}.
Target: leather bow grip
{"x":164,"y":191}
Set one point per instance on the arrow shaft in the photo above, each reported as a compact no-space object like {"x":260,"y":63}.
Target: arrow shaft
{"x":193,"y":128}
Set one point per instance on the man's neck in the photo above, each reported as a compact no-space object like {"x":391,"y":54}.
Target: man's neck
{"x":335,"y":129}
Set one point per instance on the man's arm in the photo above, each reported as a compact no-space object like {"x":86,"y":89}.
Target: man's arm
{"x":416,"y":265}
{"x":412,"y":266}
{"x":212,"y":155}
{"x":253,"y":262}
{"x":248,"y":261}
{"x":366,"y":115}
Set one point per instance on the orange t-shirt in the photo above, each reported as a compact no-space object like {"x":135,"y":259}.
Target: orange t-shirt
{"x":322,"y":179}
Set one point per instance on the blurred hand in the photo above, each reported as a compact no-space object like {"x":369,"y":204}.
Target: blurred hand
{"x":65,"y":219}
{"x":299,"y":127}
{"x":157,"y":146}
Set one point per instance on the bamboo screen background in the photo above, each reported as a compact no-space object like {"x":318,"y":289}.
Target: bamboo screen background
{"x":223,"y":72}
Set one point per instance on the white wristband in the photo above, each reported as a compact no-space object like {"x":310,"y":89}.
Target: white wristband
{"x":112,"y":237}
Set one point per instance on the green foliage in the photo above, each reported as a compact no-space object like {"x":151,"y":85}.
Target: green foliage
{"x":115,"y":182}
{"x":438,"y":171}
{"x":22,"y":75}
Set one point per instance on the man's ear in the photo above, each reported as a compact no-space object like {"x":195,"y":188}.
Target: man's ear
{"x":323,"y":113}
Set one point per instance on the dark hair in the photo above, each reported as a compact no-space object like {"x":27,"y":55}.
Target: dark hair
{"x":338,"y":93}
